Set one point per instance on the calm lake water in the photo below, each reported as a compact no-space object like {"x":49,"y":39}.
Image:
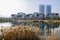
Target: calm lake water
{"x":9,"y":24}
{"x":5,"y":25}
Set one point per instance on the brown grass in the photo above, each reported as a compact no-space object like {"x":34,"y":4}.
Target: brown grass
{"x":22,"y":33}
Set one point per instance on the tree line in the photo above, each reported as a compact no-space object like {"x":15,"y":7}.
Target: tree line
{"x":9,"y":19}
{"x":5,"y":19}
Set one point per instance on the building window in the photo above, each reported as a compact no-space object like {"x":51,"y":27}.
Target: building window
{"x":19,"y":16}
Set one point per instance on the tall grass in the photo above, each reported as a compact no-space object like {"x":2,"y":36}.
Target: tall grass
{"x":22,"y":33}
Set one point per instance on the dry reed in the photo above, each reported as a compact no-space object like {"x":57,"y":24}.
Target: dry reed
{"x":22,"y":33}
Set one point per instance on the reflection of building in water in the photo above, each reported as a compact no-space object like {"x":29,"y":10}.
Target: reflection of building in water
{"x":56,"y":33}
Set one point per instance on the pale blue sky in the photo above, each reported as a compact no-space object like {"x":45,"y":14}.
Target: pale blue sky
{"x":8,"y":7}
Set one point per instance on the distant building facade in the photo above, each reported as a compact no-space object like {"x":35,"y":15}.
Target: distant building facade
{"x":53,"y":16}
{"x":20,"y":16}
{"x":13,"y":16}
{"x":41,"y":9}
{"x":37,"y":15}
{"x":56,"y":16}
{"x":29,"y":16}
{"x":48,"y":9}
{"x":50,"y":16}
{"x":43,"y":14}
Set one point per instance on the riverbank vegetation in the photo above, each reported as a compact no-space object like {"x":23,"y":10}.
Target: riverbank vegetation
{"x":21,"y":33}
{"x":5,"y":19}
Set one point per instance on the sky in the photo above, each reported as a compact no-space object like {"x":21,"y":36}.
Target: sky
{"x":8,"y":7}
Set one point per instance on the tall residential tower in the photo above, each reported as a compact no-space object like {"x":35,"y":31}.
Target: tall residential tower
{"x":41,"y":9}
{"x":48,"y":9}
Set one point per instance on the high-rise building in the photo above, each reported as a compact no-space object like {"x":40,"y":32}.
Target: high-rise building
{"x":48,"y":9}
{"x":41,"y":9}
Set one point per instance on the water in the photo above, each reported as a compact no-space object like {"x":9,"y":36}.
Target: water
{"x":56,"y":31}
{"x":9,"y":24}
{"x":5,"y":25}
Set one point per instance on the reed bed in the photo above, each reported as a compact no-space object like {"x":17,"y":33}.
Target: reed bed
{"x":52,"y":38}
{"x":22,"y":33}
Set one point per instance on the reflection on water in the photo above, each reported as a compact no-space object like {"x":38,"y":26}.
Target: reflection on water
{"x":5,"y":25}
{"x":42,"y":25}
